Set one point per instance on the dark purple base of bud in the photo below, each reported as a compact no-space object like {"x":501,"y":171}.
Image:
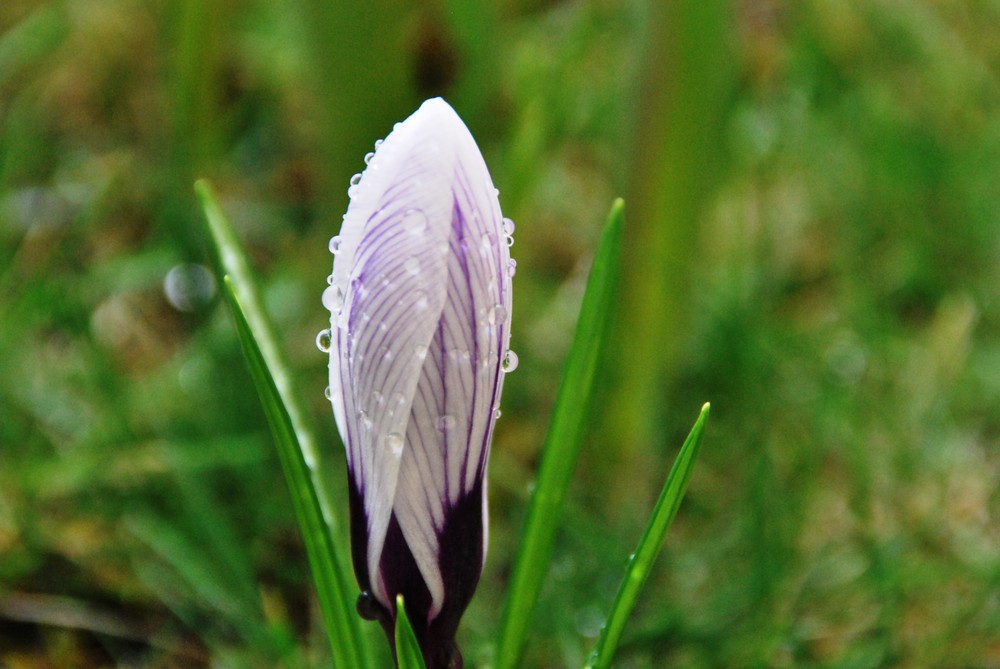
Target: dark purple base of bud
{"x":460,"y":560}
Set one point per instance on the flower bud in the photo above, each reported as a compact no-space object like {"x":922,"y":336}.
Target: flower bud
{"x":420,"y":302}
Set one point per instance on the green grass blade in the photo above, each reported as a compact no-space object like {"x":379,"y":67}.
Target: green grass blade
{"x":234,"y":263}
{"x":295,"y":440}
{"x":562,"y":445}
{"x":641,"y":562}
{"x":408,"y":655}
{"x":328,"y":571}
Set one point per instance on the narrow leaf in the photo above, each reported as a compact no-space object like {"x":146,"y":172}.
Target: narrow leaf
{"x":328,"y":571}
{"x":641,"y":562}
{"x":562,"y":445}
{"x":232,"y":261}
{"x":295,"y":440}
{"x":408,"y":655}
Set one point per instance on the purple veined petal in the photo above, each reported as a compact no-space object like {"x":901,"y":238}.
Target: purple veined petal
{"x":415,"y":372}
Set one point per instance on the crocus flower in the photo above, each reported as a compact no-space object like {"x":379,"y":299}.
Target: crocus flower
{"x":420,"y":302}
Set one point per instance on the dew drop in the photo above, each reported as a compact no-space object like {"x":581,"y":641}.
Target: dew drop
{"x":445,"y":423}
{"x":498,"y":314}
{"x":511,"y":267}
{"x":509,"y":363}
{"x":329,"y":280}
{"x":328,"y":393}
{"x":420,"y":351}
{"x":323,"y":340}
{"x":333,"y":299}
{"x":510,"y":240}
{"x":496,"y":191}
{"x":508,"y":226}
{"x":356,"y":179}
{"x":367,"y":606}
{"x":366,"y":420}
{"x":394,"y":440}
{"x":378,"y":397}
{"x":412,"y":265}
{"x":368,"y":157}
{"x":335,"y":244}
{"x":497,"y":413}
{"x":420,"y":299}
{"x":352,"y":191}
{"x":414,"y":221}
{"x":378,"y":143}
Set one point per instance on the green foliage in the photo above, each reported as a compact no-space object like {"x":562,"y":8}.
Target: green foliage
{"x":831,"y":289}
{"x":326,"y":554}
{"x":562,"y":444}
{"x":640,"y":563}
{"x":408,"y":654}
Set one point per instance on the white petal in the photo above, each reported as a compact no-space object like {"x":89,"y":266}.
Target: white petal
{"x":416,"y":353}
{"x":391,"y":271}
{"x":452,"y":414}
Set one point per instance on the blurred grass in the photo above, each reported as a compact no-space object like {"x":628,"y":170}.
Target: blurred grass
{"x":842,"y":316}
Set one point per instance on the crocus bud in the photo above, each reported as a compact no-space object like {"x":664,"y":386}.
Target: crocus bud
{"x":420,"y":302}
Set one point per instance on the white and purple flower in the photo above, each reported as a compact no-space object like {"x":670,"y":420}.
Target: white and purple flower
{"x":420,"y":302}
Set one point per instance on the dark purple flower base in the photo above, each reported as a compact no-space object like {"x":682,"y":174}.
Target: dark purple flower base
{"x":460,"y":560}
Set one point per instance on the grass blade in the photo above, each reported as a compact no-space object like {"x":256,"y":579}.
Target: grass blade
{"x":562,"y":445}
{"x":641,"y":562}
{"x":234,"y":263}
{"x":295,"y":440}
{"x":408,"y":655}
{"x":328,"y":571}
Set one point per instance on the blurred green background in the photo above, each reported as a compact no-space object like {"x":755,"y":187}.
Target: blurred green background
{"x":813,"y":245}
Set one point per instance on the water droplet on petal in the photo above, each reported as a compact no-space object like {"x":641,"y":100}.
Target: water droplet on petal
{"x":508,"y":226}
{"x":368,"y":607}
{"x":329,"y":280}
{"x":497,"y":314}
{"x":510,"y":361}
{"x":368,"y":157}
{"x":333,"y":299}
{"x":496,"y":191}
{"x":366,"y":420}
{"x":414,"y":221}
{"x":511,"y":267}
{"x":394,"y":440}
{"x":356,"y":179}
{"x":420,"y":351}
{"x":497,"y":413}
{"x":510,"y":240}
{"x":328,"y":393}
{"x":335,"y":244}
{"x":378,"y":397}
{"x":412,"y":265}
{"x":323,"y":339}
{"x":352,"y":191}
{"x":420,"y":300}
{"x":446,"y":423}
